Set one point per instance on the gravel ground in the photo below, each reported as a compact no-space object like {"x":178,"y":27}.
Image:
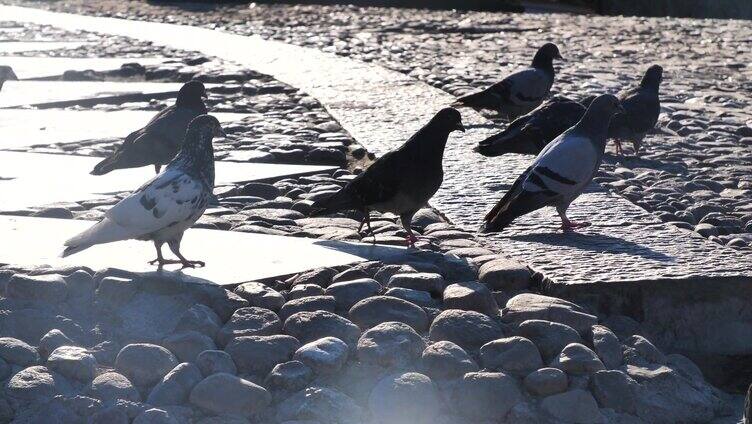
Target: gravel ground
{"x":695,"y":172}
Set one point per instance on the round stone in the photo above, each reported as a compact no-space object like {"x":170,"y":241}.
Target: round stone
{"x":375,"y":310}
{"x":227,"y":394}
{"x":214,"y":361}
{"x":18,"y":352}
{"x":111,"y":386}
{"x":260,"y":295}
{"x":515,"y":355}
{"x":409,"y":398}
{"x":468,"y":329}
{"x":546,"y":381}
{"x":187,"y":345}
{"x":259,"y":354}
{"x":470,"y":296}
{"x":175,"y":386}
{"x":445,"y":360}
{"x":485,"y":395}
{"x":390,"y":344}
{"x":144,"y":364}
{"x":249,"y":321}
{"x":348,"y":293}
{"x":73,"y":362}
{"x":307,"y":304}
{"x":324,"y":356}
{"x":578,"y":359}
{"x":290,"y":376}
{"x":311,"y":326}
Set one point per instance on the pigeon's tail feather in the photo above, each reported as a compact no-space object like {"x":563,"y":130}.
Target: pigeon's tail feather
{"x":106,"y":165}
{"x":475,"y":100}
{"x":105,"y":231}
{"x":498,"y":222}
{"x":515,"y":139}
{"x":334,"y":203}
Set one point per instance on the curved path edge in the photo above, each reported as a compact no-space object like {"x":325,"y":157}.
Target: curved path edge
{"x":382,"y":108}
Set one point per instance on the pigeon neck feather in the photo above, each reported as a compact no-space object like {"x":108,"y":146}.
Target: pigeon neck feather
{"x":196,"y":158}
{"x":650,"y":82}
{"x":543,"y":62}
{"x":429,"y":142}
{"x":593,"y":126}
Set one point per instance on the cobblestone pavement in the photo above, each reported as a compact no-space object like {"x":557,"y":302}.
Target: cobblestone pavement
{"x":450,"y":334}
{"x":697,"y":173}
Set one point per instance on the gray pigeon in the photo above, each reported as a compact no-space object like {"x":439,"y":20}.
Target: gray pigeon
{"x":6,"y":74}
{"x":641,"y":109}
{"x":530,"y":133}
{"x":403,"y":180}
{"x":159,"y":141}
{"x":520,"y":92}
{"x":560,"y":172}
{"x":163,"y":208}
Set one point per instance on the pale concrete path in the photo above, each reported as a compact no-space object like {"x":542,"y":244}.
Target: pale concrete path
{"x":381,"y":108}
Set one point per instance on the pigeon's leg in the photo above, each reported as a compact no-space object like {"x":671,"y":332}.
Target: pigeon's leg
{"x":568,"y":225}
{"x":637,"y":143}
{"x":367,"y":221}
{"x":160,"y":259}
{"x":175,"y":247}
{"x":157,"y":167}
{"x":406,"y":219}
{"x":619,"y":149}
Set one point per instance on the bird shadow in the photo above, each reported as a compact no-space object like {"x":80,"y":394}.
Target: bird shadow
{"x":370,"y":251}
{"x":594,"y":242}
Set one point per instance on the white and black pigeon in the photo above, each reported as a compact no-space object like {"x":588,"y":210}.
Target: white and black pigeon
{"x":532,"y":132}
{"x":403,"y":180}
{"x":520,"y":92}
{"x":160,"y":140}
{"x":560,"y":172}
{"x":163,"y":208}
{"x":642,"y":106}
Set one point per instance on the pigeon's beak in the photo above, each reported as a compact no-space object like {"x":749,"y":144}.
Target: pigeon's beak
{"x":219,"y":132}
{"x":460,"y":127}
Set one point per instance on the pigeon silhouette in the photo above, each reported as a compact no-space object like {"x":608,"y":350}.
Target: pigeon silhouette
{"x":560,"y":172}
{"x":520,"y":92}
{"x":160,"y":140}
{"x":163,"y":208}
{"x":532,"y":132}
{"x":403,"y":180}
{"x":642,"y":106}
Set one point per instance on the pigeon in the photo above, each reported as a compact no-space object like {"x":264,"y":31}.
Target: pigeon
{"x":159,"y":141}
{"x":163,"y":208}
{"x":403,"y":180}
{"x":560,"y":172}
{"x":530,"y":133}
{"x":6,"y":74}
{"x":520,"y":92}
{"x":642,"y":107}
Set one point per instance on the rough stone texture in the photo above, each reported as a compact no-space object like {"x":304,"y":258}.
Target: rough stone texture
{"x":550,"y":337}
{"x":607,"y":346}
{"x":640,"y":350}
{"x":155,"y":416}
{"x":614,"y":389}
{"x":307,"y":304}
{"x":73,"y":362}
{"x":176,"y":386}
{"x":110,"y":386}
{"x":405,"y":399}
{"x":310,"y":326}
{"x":469,"y":329}
{"x":577,"y":406}
{"x":227,"y":394}
{"x":214,"y":361}
{"x":258,"y":294}
{"x":389,"y":344}
{"x":186,"y":345}
{"x":290,"y":376}
{"x":375,"y":310}
{"x":514,"y":355}
{"x":348,"y":293}
{"x":51,"y":341}
{"x":36,"y":383}
{"x":320,"y":404}
{"x":470,"y":296}
{"x":17,"y":352}
{"x":249,"y":321}
{"x":504,"y":274}
{"x":534,"y":306}
{"x":49,"y":288}
{"x":424,"y":281}
{"x":445,"y":360}
{"x":259,"y":354}
{"x":485,"y":395}
{"x":324,"y":356}
{"x":545,"y":382}
{"x":578,"y":359}
{"x":144,"y":364}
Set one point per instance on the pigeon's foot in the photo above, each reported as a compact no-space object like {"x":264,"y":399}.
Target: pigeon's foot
{"x":619,"y":148}
{"x":163,"y":261}
{"x":192,"y":264}
{"x":411,"y":240}
{"x":572,"y":225}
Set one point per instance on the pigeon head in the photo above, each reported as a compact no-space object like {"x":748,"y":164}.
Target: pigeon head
{"x":196,"y":157}
{"x":653,"y":77}
{"x":191,"y":95}
{"x":448,"y":120}
{"x":545,"y":56}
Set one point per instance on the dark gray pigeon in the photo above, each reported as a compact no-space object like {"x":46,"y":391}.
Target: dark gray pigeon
{"x":160,"y":140}
{"x":520,"y":92}
{"x":403,"y":180}
{"x":641,"y":109}
{"x":560,"y":172}
{"x":530,"y":133}
{"x":163,"y":208}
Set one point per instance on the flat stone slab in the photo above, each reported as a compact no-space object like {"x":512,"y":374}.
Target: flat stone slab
{"x":37,"y":179}
{"x":26,"y":93}
{"x":42,"y":67}
{"x":28,"y":127}
{"x":10,"y":47}
{"x":625,"y":244}
{"x":39,"y":241}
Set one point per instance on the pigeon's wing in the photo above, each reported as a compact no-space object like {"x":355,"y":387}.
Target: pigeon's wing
{"x":490,"y":98}
{"x":529,"y":86}
{"x":170,"y":198}
{"x":642,"y":108}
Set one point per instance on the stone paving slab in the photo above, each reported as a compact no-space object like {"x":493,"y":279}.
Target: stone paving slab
{"x":25,"y":93}
{"x":39,"y":241}
{"x":381,"y":108}
{"x":10,"y":47}
{"x":36,"y":179}
{"x":44,"y":67}
{"x":28,"y":127}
